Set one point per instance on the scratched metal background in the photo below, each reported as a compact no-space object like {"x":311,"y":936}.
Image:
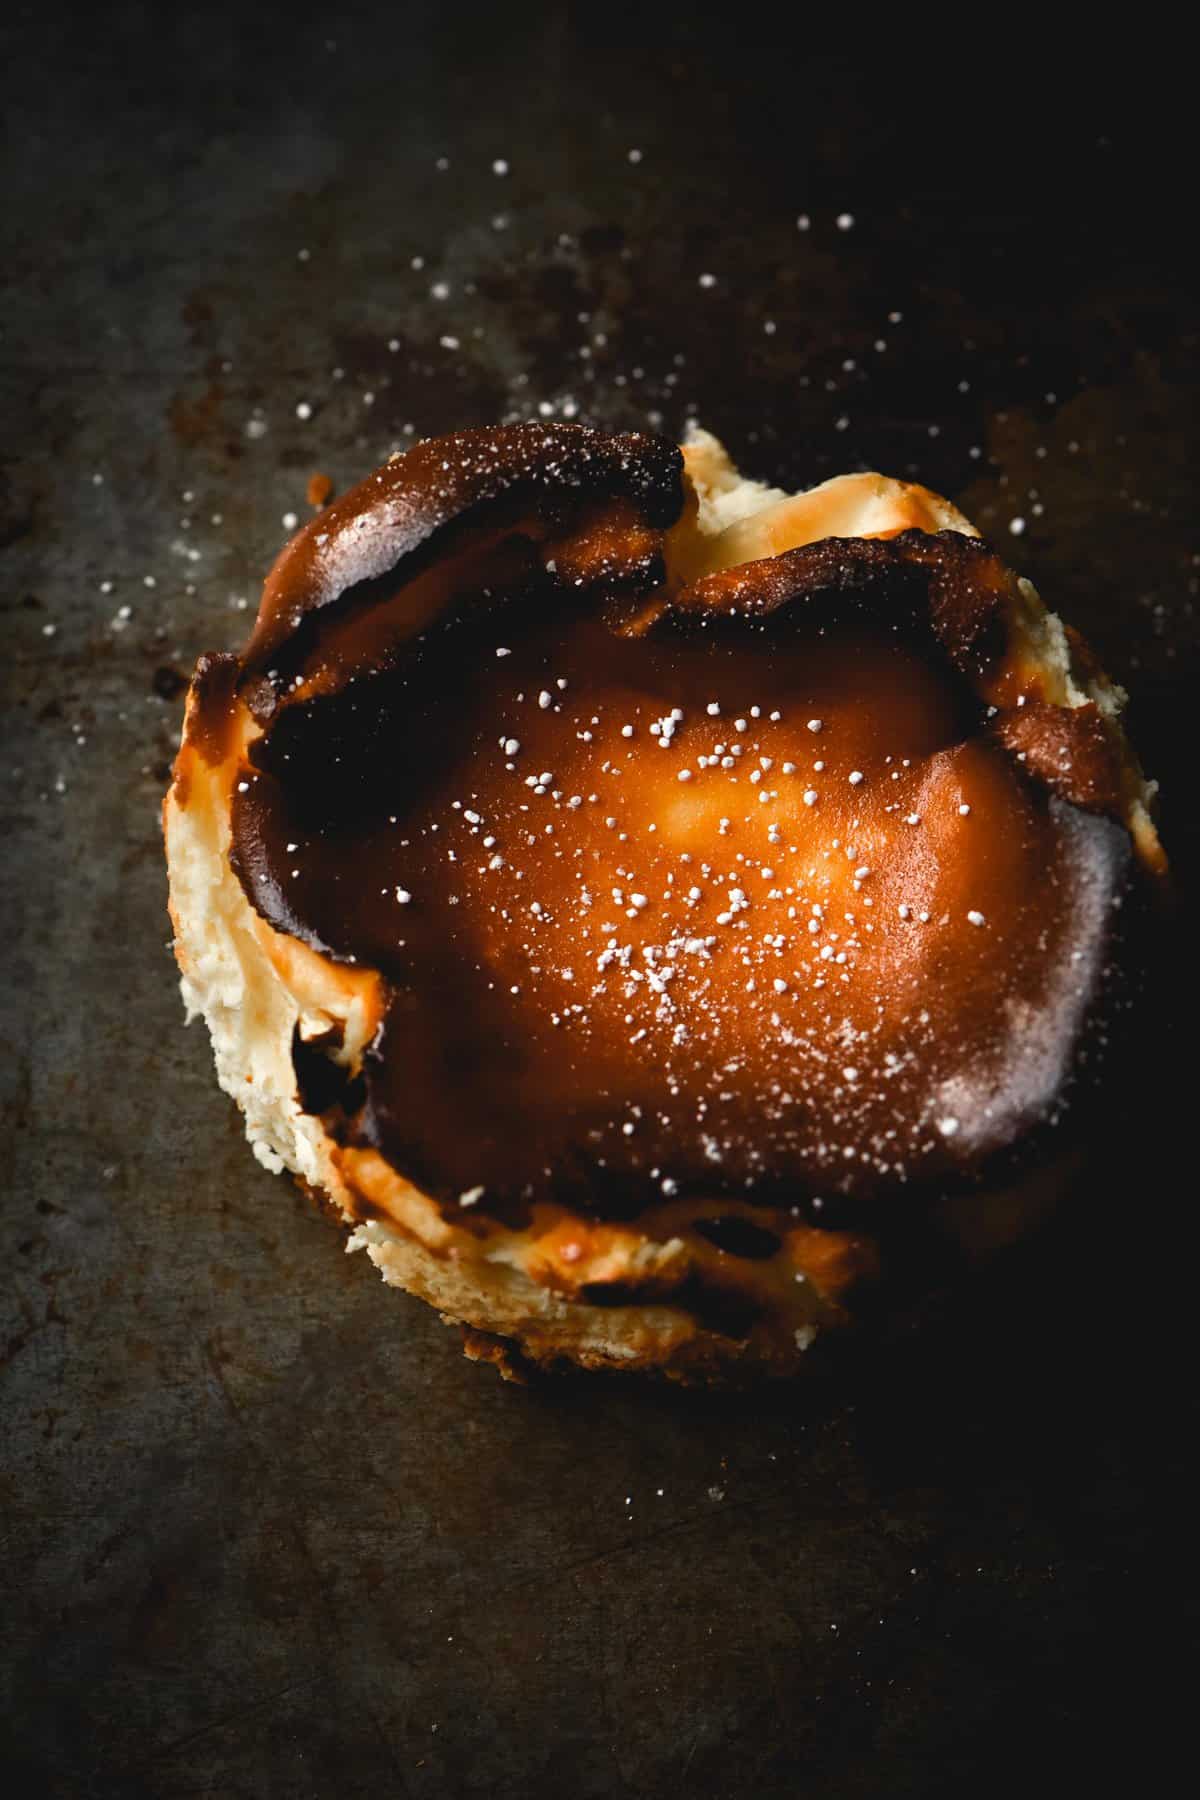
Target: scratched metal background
{"x":266,"y":1533}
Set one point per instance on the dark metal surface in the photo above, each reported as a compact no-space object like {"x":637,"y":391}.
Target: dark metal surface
{"x":266,"y":1532}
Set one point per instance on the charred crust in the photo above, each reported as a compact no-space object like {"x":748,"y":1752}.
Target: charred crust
{"x":956,"y":590}
{"x":1070,"y":749}
{"x":212,"y":707}
{"x":738,"y":1236}
{"x":251,"y":861}
{"x":954,"y":586}
{"x":387,"y":519}
{"x":723,"y":1310}
{"x":324,"y":1085}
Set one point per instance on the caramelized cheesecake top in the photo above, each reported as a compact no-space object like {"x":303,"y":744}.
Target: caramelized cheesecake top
{"x":787,"y":883}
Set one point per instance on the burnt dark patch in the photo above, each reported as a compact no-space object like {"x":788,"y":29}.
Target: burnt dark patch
{"x":941,"y":584}
{"x":1071,"y":749}
{"x":715,"y":1308}
{"x":323,"y":1084}
{"x":739,"y":1237}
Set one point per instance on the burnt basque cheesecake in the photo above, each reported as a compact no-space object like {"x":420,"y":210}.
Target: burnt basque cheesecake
{"x":656,"y":911}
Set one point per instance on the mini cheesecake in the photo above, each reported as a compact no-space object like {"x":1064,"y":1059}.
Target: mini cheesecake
{"x":655,"y":911}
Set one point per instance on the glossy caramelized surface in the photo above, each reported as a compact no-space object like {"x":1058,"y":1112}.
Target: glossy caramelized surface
{"x":707,"y":903}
